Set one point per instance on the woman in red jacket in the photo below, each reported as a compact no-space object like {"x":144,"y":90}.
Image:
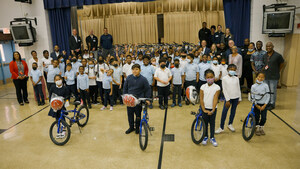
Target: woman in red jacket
{"x":19,"y":73}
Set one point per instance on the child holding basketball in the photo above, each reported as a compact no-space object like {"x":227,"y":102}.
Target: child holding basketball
{"x":209,"y":94}
{"x":260,"y":107}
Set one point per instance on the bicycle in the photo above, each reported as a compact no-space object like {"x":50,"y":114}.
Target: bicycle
{"x":62,"y":130}
{"x":198,"y":129}
{"x":144,"y":125}
{"x":249,"y":124}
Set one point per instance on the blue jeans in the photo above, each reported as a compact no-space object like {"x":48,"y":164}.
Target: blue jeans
{"x":273,"y":89}
{"x":108,"y":97}
{"x":234,"y":103}
{"x":39,"y":93}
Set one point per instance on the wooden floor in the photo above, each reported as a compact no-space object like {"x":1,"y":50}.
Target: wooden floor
{"x":103,"y":144}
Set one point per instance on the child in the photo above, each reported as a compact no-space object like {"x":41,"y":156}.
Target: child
{"x":70,"y":77}
{"x":117,"y":82}
{"x":209,"y":94}
{"x":224,"y":71}
{"x":232,"y":93}
{"x":100,"y":68}
{"x":136,"y":85}
{"x":148,"y":71}
{"x":46,"y":63}
{"x":140,"y":59}
{"x":163,"y":76}
{"x":52,"y":71}
{"x":83,"y":87}
{"x":127,"y":67}
{"x":260,"y":108}
{"x":203,"y":66}
{"x":108,"y":89}
{"x":191,"y":74}
{"x":217,"y":70}
{"x":75,"y":64}
{"x":90,"y":70}
{"x":177,"y":82}
{"x":85,"y":54}
{"x":36,"y":77}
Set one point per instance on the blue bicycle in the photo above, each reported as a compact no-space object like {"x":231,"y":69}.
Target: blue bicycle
{"x":60,"y":131}
{"x":144,"y":125}
{"x":198,"y":127}
{"x":249,"y":124}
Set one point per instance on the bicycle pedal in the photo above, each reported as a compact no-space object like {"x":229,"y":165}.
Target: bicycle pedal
{"x":193,"y":113}
{"x":151,"y":128}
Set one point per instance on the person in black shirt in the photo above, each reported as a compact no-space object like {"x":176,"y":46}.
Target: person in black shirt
{"x":92,"y":43}
{"x":212,"y":36}
{"x":137,"y":85}
{"x":204,"y":33}
{"x":54,"y":55}
{"x":75,"y":43}
{"x":218,"y":35}
{"x":226,"y":37}
{"x":247,"y":69}
{"x":244,"y":49}
{"x":106,"y":41}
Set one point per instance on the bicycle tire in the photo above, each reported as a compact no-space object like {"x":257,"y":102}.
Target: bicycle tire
{"x":144,"y":129}
{"x":202,"y":127}
{"x":246,"y":135}
{"x":81,"y":122}
{"x":53,"y":138}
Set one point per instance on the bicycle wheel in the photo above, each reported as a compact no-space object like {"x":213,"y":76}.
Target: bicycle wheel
{"x":248,"y":127}
{"x":82,"y":116}
{"x":198,"y":132}
{"x":143,"y":136}
{"x":60,"y":132}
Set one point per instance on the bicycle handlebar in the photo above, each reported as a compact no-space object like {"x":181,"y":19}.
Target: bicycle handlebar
{"x":262,"y":96}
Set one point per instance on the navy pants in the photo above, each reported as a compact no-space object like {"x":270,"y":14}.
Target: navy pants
{"x":130,"y":113}
{"x":211,"y":119}
{"x":39,"y":93}
{"x":234,"y":103}
{"x":262,"y":114}
{"x":73,"y":89}
{"x":177,"y":90}
{"x":108,"y":97}
{"x":163,"y":92}
{"x":101,"y":91}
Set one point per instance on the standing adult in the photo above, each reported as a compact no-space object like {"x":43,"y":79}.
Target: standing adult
{"x":19,"y":73}
{"x":106,"y":41}
{"x":236,"y":59}
{"x":218,"y":35}
{"x":54,"y":55}
{"x":257,"y":58}
{"x":204,"y":33}
{"x":226,"y":37}
{"x":274,"y":62}
{"x":247,"y":69}
{"x":75,"y":43}
{"x":212,"y":39}
{"x":92,"y":43}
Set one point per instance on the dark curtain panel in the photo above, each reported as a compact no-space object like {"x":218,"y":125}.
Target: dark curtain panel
{"x":237,"y":18}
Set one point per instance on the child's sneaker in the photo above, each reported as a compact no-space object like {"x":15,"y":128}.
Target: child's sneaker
{"x":103,"y":108}
{"x":257,"y":130}
{"x":111,"y":108}
{"x":173,"y":105}
{"x":214,"y":142}
{"x":230,"y":127}
{"x":58,"y":135}
{"x":261,"y":129}
{"x":219,"y":130}
{"x":180,"y":105}
{"x":204,"y":142}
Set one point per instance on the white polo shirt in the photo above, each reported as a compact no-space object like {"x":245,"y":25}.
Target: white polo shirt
{"x":127,"y":69}
{"x":209,"y":93}
{"x":163,"y":75}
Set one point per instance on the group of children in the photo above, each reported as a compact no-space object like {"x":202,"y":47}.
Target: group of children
{"x":166,"y":68}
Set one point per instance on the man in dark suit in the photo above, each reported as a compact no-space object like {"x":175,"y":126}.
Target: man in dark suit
{"x":92,"y":43}
{"x":54,"y":55}
{"x":205,"y":49}
{"x":204,"y":33}
{"x":75,"y":43}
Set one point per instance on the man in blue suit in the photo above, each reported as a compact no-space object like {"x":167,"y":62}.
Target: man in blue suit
{"x":205,"y":49}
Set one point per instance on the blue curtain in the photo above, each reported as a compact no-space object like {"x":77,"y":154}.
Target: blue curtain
{"x":60,"y":25}
{"x":53,"y":4}
{"x":237,"y":18}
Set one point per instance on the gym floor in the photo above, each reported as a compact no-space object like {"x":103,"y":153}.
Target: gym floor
{"x":25,"y":141}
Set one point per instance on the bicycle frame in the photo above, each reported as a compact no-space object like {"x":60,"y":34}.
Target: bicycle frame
{"x":64,"y":113}
{"x":251,"y":112}
{"x":197,"y":117}
{"x":144,"y":119}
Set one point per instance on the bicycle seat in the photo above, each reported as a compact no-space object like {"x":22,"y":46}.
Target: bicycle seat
{"x":76,"y":103}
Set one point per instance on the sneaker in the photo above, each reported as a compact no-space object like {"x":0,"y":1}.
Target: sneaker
{"x":166,"y":106}
{"x":173,"y":105}
{"x":150,"y":106}
{"x":180,"y":105}
{"x":261,"y":129}
{"x":63,"y":134}
{"x":204,"y":142}
{"x":257,"y":130}
{"x":90,"y":106}
{"x":214,"y":142}
{"x":58,"y":135}
{"x":39,"y":104}
{"x":103,"y":108}
{"x":161,"y":107}
{"x":230,"y":127}
{"x":27,"y":102}
{"x":219,"y":130}
{"x":111,"y":108}
{"x":129,"y":130}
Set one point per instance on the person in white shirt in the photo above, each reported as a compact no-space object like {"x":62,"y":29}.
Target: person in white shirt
{"x":46,"y":62}
{"x":209,"y":94}
{"x":86,"y":54}
{"x":177,"y":82}
{"x":91,"y":72}
{"x":100,"y":69}
{"x":163,"y":77}
{"x":117,"y":82}
{"x":183,"y":61}
{"x":127,"y":67}
{"x":217,"y":70}
{"x":224,"y":71}
{"x":232,"y":93}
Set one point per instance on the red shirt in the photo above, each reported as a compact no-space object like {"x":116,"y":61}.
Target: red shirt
{"x":13,"y":67}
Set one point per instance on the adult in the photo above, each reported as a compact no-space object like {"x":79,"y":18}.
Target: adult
{"x":205,"y":49}
{"x":212,"y":35}
{"x":247,"y":69}
{"x":106,"y":41}
{"x":75,"y":43}
{"x":226,"y":37}
{"x":54,"y":55}
{"x":19,"y":73}
{"x":244,"y":49}
{"x":46,"y":62}
{"x":218,"y":35}
{"x":229,"y":50}
{"x":274,"y":62}
{"x":92,"y":43}
{"x":236,"y":59}
{"x":257,"y":58}
{"x":222,"y":51}
{"x":204,"y":33}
